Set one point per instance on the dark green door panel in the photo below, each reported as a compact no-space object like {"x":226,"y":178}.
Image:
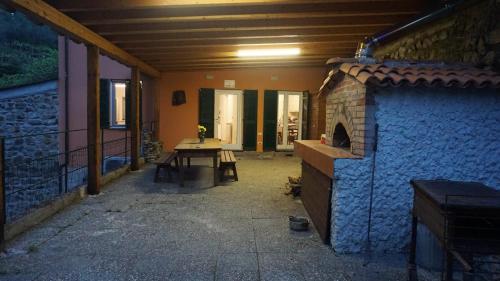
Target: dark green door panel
{"x":206,"y":110}
{"x":270,"y":119}
{"x":250,"y":100}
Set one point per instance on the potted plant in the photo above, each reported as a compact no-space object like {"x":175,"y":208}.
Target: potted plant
{"x":201,"y":133}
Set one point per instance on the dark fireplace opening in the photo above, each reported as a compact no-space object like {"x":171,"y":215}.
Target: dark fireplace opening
{"x":340,"y":137}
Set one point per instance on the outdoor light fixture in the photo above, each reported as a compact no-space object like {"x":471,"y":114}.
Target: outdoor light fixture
{"x":269,"y":52}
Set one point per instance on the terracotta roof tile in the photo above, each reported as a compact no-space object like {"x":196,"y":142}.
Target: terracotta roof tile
{"x":405,"y":74}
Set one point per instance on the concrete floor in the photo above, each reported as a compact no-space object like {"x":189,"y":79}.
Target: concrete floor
{"x":140,"y":230}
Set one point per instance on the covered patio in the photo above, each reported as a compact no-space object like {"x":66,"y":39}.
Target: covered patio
{"x":138,"y":77}
{"x":139,"y":230}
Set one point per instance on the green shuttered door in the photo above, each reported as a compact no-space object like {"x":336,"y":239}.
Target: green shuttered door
{"x":270,"y":119}
{"x":206,"y":110}
{"x":250,"y":98}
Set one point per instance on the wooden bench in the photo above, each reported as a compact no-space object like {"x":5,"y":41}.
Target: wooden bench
{"x":165,"y":162}
{"x":227,"y":161}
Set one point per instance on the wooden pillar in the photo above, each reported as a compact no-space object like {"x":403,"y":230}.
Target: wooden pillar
{"x":135,"y":119}
{"x":93,"y":121}
{"x":2,"y":194}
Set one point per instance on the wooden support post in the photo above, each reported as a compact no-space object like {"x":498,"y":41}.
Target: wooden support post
{"x":93,"y":121}
{"x":135,"y":119}
{"x":2,"y":194}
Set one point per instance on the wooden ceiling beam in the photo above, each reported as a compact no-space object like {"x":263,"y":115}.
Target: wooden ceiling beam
{"x":228,"y":54}
{"x":160,"y":61}
{"x":96,"y":5}
{"x":243,"y":41}
{"x":226,"y":67}
{"x":104,"y":20}
{"x":229,"y":47}
{"x":46,"y":14}
{"x":219,"y":34}
{"x":287,"y":23}
{"x":252,"y":40}
{"x":318,"y":62}
{"x":170,"y":13}
{"x":319,"y":46}
{"x":245,"y":65}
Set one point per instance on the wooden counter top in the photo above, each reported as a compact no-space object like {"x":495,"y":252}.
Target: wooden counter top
{"x":320,"y":156}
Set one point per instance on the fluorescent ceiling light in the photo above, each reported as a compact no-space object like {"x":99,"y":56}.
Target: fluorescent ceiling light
{"x":269,"y":52}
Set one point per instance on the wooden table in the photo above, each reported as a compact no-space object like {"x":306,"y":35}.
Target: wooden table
{"x":191,"y":147}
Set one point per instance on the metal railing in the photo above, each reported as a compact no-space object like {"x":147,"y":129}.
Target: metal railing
{"x":472,"y":238}
{"x":41,"y":167}
{"x":116,"y":148}
{"x":36,"y":169}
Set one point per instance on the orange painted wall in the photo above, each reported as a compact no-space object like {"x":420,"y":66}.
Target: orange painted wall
{"x":178,"y":122}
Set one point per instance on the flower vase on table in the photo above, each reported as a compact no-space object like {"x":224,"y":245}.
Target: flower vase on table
{"x":201,"y":133}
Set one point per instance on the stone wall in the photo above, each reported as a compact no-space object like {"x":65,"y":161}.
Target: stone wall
{"x":33,"y":159}
{"x":423,"y":133}
{"x":471,"y":35}
{"x":347,"y":104}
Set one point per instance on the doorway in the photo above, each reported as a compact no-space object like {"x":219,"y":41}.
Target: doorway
{"x":228,"y":118}
{"x":289,"y":119}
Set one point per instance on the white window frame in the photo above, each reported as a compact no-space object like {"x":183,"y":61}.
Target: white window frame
{"x":112,"y":106}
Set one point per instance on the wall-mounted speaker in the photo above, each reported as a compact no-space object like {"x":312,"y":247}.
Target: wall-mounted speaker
{"x":178,"y":97}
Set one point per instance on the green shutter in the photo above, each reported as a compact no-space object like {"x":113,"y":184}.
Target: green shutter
{"x":128,"y":109}
{"x":250,"y":98}
{"x":206,"y":110}
{"x":305,"y":115}
{"x":270,"y":119}
{"x":105,"y":88}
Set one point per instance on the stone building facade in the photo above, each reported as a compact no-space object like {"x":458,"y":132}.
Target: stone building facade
{"x":26,"y":112}
{"x":470,"y":35}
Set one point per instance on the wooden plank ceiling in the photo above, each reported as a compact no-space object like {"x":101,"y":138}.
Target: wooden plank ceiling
{"x":184,"y":35}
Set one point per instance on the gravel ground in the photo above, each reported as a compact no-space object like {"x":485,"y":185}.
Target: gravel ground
{"x":140,"y":230}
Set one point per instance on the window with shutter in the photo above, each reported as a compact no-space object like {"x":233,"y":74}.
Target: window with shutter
{"x":115,"y":103}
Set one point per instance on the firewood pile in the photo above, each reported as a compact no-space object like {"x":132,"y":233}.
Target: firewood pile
{"x":293,"y":186}
{"x":152,"y":149}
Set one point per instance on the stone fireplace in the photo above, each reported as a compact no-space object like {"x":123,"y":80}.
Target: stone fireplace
{"x":347,"y":122}
{"x":431,"y":120}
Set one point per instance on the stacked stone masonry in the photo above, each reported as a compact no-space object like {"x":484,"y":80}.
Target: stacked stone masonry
{"x":470,"y":36}
{"x":33,"y":158}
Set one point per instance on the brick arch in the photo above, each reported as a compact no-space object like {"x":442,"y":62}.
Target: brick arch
{"x":343,"y":116}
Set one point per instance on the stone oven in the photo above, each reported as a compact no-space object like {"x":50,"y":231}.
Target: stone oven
{"x":385,"y":125}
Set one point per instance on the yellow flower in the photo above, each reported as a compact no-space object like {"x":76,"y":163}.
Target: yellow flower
{"x":202,"y":129}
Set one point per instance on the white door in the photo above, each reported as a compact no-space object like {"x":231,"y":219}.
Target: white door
{"x":289,"y":125}
{"x":228,"y":118}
